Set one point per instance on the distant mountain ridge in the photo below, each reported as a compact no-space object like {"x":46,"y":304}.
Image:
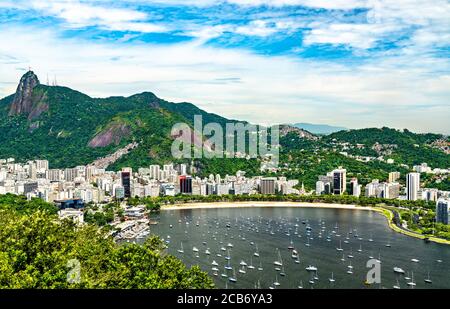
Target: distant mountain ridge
{"x":322,"y":129}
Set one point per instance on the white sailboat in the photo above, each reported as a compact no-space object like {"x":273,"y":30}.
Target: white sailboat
{"x":332,"y":280}
{"x":412,"y":284}
{"x":278,"y":262}
{"x":181,"y":250}
{"x":340,"y":246}
{"x":233,"y":278}
{"x":428,"y":279}
{"x":256,"y":253}
{"x":251,"y":264}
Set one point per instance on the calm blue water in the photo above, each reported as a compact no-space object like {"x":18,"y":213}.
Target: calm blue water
{"x":272,"y":229}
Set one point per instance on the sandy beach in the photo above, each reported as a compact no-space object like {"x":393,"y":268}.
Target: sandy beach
{"x":261,"y":204}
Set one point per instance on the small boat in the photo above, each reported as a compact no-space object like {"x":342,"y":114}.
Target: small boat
{"x":207,"y":252}
{"x":332,"y":280}
{"x":388,"y":244}
{"x":415,"y":260}
{"x":282,"y":273}
{"x":291,"y":246}
{"x":194,"y":249}
{"x":256,"y":253}
{"x":228,"y":266}
{"x":260,"y":268}
{"x":251,"y":264}
{"x":350,"y":256}
{"x":230,"y":245}
{"x":181,"y":250}
{"x":214,"y":263}
{"x":428,"y":279}
{"x":278,"y":262}
{"x":411,"y":283}
{"x":300,"y":286}
{"x":340,"y":246}
{"x":242,"y":270}
{"x":311,"y":268}
{"x":397,"y":286}
{"x":360,"y":248}
{"x":276,"y":283}
{"x":398,"y":270}
{"x":233,"y":278}
{"x":294,"y":254}
{"x":316,"y":276}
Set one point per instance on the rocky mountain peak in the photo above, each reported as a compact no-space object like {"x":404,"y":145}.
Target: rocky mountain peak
{"x":23,"y":101}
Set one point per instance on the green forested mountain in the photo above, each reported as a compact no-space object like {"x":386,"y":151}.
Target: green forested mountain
{"x":70,"y":128}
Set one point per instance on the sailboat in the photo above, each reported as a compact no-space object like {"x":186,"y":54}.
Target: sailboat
{"x":276,"y":283}
{"x":256,"y":252}
{"x":397,"y":286}
{"x":412,"y":284}
{"x":360,"y":248}
{"x":307,"y":242}
{"x":331,"y":279}
{"x":343,"y":257}
{"x":340,"y":246}
{"x":233,"y":278}
{"x":260,"y":268}
{"x":351,"y":254}
{"x":278,"y":262}
{"x":282,"y":273}
{"x":228,"y":266}
{"x":251,"y":264}
{"x":316,"y":275}
{"x":428,"y":279}
{"x":350,"y":268}
{"x":300,"y":286}
{"x":291,"y":245}
{"x":181,"y":250}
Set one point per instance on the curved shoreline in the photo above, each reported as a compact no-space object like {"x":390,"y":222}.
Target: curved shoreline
{"x":383,"y":211}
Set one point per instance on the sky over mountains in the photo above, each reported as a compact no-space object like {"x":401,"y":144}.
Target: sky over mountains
{"x":354,"y":63}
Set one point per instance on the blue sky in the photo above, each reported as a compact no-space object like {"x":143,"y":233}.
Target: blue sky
{"x":356,"y":63}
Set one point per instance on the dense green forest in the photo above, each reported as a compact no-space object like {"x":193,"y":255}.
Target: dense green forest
{"x":38,"y":251}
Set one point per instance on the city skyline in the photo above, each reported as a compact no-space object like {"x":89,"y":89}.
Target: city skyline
{"x":379,"y":64}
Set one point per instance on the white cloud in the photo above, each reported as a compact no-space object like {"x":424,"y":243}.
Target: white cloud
{"x":388,"y":91}
{"x":79,"y":14}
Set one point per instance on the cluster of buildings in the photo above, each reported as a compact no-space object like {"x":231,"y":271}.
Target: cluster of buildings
{"x":335,"y":182}
{"x":72,"y":187}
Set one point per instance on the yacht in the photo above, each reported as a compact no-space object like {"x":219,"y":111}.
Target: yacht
{"x":340,"y":246}
{"x":397,"y":286}
{"x":278,"y":262}
{"x":332,"y":278}
{"x":398,"y":270}
{"x":276,"y":283}
{"x":233,"y":278}
{"x":194,"y":249}
{"x":411,"y":283}
{"x":311,"y":268}
{"x":294,"y":254}
{"x":181,"y":250}
{"x":251,"y":264}
{"x":428,"y":279}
